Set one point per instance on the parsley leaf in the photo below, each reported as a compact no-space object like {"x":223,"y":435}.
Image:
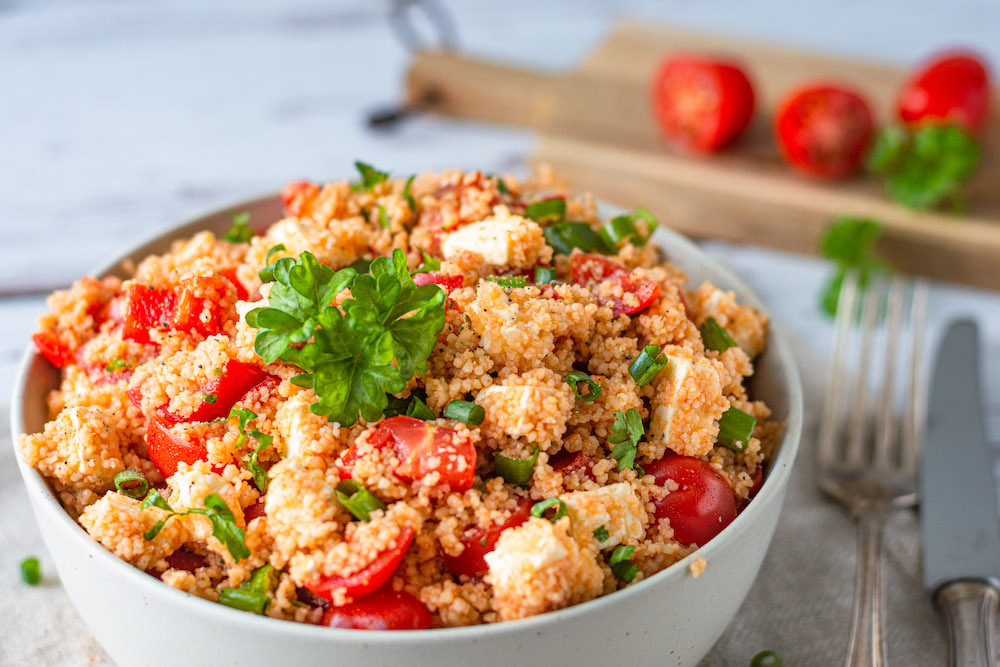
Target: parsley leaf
{"x":354,"y":355}
{"x":925,"y":167}
{"x":383,"y":217}
{"x":850,"y":243}
{"x":370,"y":177}
{"x":601,"y":533}
{"x":224,"y":526}
{"x":117,"y":364}
{"x":626,"y":432}
{"x":408,"y":196}
{"x":243,"y":417}
{"x":430,"y":264}
{"x":240,"y":232}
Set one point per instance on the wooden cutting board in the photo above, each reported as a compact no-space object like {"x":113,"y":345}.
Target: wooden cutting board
{"x":597,"y":131}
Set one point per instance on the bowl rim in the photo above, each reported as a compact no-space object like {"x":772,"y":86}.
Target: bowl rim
{"x":40,"y":492}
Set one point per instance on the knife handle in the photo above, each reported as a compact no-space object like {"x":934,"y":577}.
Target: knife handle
{"x":970,"y":611}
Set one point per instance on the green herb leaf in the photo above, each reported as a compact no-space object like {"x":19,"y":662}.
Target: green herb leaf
{"x":601,"y":534}
{"x":154,"y":499}
{"x":408,"y":196}
{"x":117,"y":364}
{"x":260,"y":476}
{"x":516,"y":471}
{"x":358,"y":500}
{"x":714,"y":336}
{"x":925,"y":167}
{"x":370,"y":177}
{"x":563,"y":237}
{"x":626,"y":432}
{"x":132,"y":484}
{"x":261,"y":581}
{"x":244,"y":600}
{"x":430,"y":264}
{"x":31,"y":571}
{"x":224,"y":526}
{"x":850,"y":243}
{"x":210,"y":398}
{"x":621,"y":563}
{"x":383,"y":217}
{"x":240,"y":232}
{"x":623,"y":228}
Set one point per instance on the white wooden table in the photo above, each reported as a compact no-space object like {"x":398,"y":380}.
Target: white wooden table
{"x":119,"y":119}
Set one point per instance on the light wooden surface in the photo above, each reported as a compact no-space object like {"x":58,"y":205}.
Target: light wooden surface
{"x":118,"y":119}
{"x":598,"y":130}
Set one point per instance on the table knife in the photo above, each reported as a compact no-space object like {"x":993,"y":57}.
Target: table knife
{"x":958,"y":503}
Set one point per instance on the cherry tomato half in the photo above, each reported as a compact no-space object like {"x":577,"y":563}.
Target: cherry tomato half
{"x":421,"y":450}
{"x":371,"y":577}
{"x":824,"y":130}
{"x":700,"y":103}
{"x":385,"y":609}
{"x":701,"y":506}
{"x":590,"y":269}
{"x":480,"y":541}
{"x":953,"y":87}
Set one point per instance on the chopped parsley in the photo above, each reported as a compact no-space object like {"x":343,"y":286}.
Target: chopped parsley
{"x":626,"y":432}
{"x":850,"y":243}
{"x":370,"y":177}
{"x":621,"y":563}
{"x":408,"y":196}
{"x":117,"y":364}
{"x":354,"y":355}
{"x":601,"y":533}
{"x":383,"y":217}
{"x":240,"y":232}
{"x":243,"y":417}
{"x":224,"y":526}
{"x":430,"y":264}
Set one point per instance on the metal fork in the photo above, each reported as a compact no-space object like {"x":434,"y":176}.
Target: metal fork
{"x":868,"y":459}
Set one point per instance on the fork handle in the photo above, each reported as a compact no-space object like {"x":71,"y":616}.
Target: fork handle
{"x":866,"y":646}
{"x":970,"y":611}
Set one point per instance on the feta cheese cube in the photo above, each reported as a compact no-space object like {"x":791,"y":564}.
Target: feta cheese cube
{"x":615,"y":507}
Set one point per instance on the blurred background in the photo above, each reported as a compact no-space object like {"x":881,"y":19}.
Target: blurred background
{"x":119,"y":119}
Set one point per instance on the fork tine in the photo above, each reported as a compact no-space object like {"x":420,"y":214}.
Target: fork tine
{"x":858,"y":416}
{"x":886,"y":453}
{"x":914,"y":419}
{"x":832,"y":408}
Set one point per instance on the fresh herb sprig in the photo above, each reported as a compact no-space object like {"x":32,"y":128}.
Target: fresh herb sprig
{"x":243,"y":417}
{"x":626,"y":432}
{"x":850,"y":243}
{"x":355,"y":355}
{"x":240,"y":232}
{"x":924,"y":168}
{"x":370,"y":177}
{"x":224,"y":526}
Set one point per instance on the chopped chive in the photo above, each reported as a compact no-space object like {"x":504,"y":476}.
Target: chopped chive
{"x":358,"y":500}
{"x":623,"y":228}
{"x":766,"y":659}
{"x":419,"y":410}
{"x":544,"y":275}
{"x":735,"y":428}
{"x":31,"y":571}
{"x":593,"y":388}
{"x":715,"y":337}
{"x":132,"y":483}
{"x":383,"y":217}
{"x":563,"y":237}
{"x":465,"y":412}
{"x":547,"y":210}
{"x":408,"y":196}
{"x":510,"y":281}
{"x":516,"y":471}
{"x":647,"y":365}
{"x":621,"y":563}
{"x":601,"y":534}
{"x":117,"y":364}
{"x":210,"y":398}
{"x":244,"y":600}
{"x":538,"y":509}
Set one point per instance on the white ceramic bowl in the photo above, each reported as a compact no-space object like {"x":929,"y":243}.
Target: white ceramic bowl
{"x":670,"y":618}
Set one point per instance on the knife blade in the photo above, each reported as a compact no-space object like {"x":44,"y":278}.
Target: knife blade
{"x":958,"y":507}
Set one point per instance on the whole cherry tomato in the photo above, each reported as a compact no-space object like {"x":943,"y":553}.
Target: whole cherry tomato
{"x":701,"y":506}
{"x":824,"y":130}
{"x":701,"y":103}
{"x":385,"y":609}
{"x":952,"y":88}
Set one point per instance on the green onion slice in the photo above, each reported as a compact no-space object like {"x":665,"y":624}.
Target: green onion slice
{"x":623,"y":228}
{"x":516,"y":471}
{"x":510,"y":281}
{"x":132,"y":483}
{"x":715,"y":337}
{"x":261,"y":581}
{"x":544,"y":275}
{"x":547,"y":210}
{"x":31,"y":571}
{"x":621,"y":563}
{"x":465,"y":412}
{"x":358,"y":500}
{"x":766,"y":659}
{"x":593,"y":389}
{"x":419,"y":410}
{"x":647,"y":365}
{"x":538,"y":509}
{"x":565,"y":236}
{"x":735,"y":428}
{"x":244,"y":600}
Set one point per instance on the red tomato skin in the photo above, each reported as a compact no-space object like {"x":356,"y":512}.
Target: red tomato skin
{"x":573,"y":463}
{"x":702,"y":505}
{"x":954,"y":87}
{"x":447,"y":283}
{"x":385,"y":609}
{"x":368,"y":579}
{"x":472,"y":559}
{"x":415,"y":443}
{"x":297,"y":195}
{"x":824,"y":130}
{"x":167,"y":450}
{"x":241,"y":291}
{"x":49,"y":346}
{"x":589,"y":269}
{"x":236,"y":380}
{"x":701,"y":104}
{"x":146,"y":308}
{"x":256,"y":510}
